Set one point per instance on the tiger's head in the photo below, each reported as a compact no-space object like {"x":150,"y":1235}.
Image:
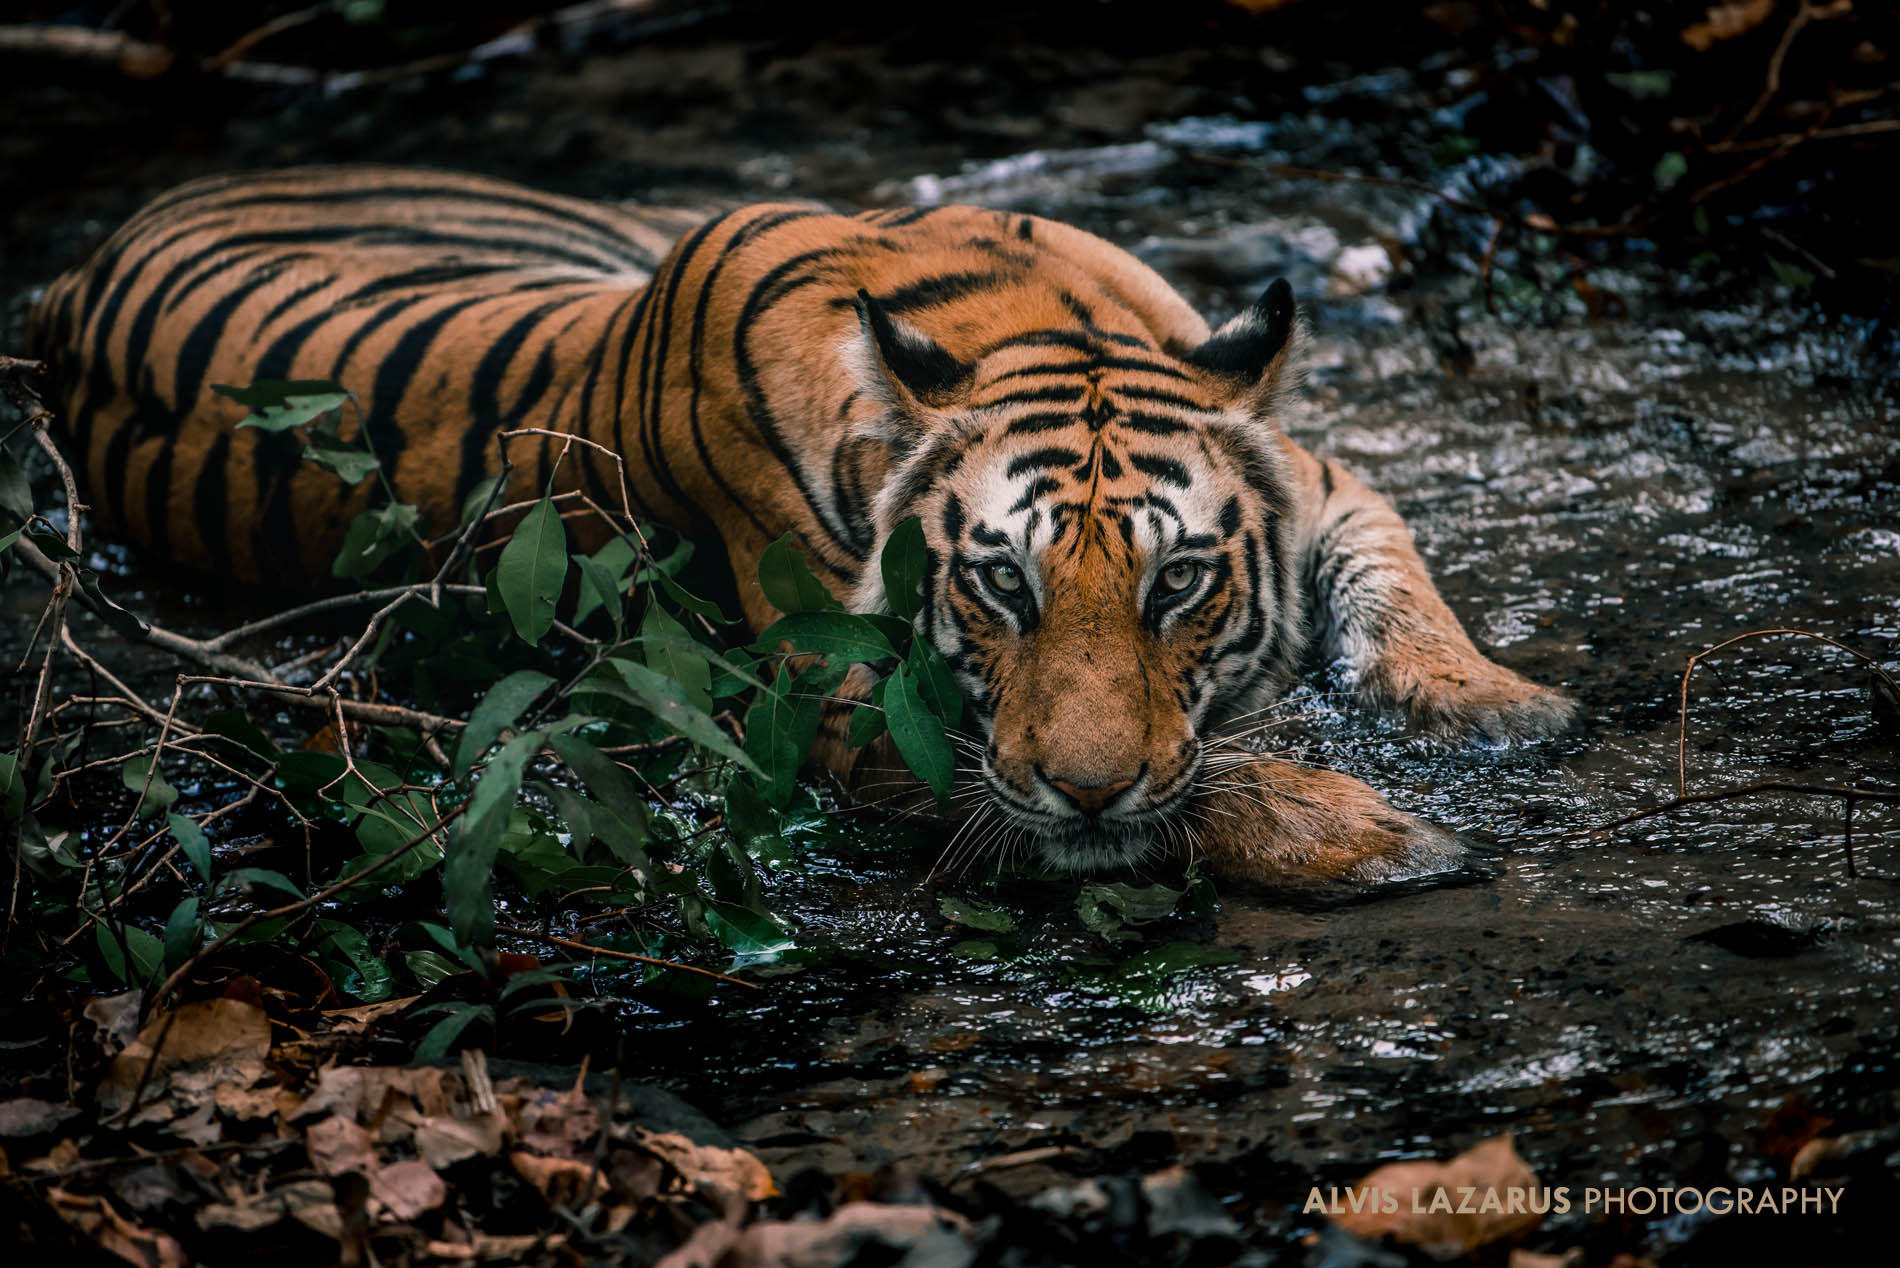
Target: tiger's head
{"x":1110,"y":528}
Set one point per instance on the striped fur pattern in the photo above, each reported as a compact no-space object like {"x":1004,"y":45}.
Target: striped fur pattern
{"x":1129,"y":557}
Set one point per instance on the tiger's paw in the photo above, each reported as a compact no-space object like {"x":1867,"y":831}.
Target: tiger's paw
{"x":1271,"y":821}
{"x":1471,"y":701}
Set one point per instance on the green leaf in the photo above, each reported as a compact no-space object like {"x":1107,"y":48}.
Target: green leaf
{"x":1643,"y":85}
{"x":935,"y":682}
{"x":751,"y":935}
{"x":148,"y":953}
{"x":445,"y":939}
{"x":235,"y":725}
{"x":575,"y":811}
{"x":754,"y":824}
{"x":498,"y":711}
{"x":12,"y":787}
{"x":303,"y":770}
{"x":690,"y":602}
{"x":532,"y":570}
{"x":442,"y":1036}
{"x":373,"y":537}
{"x":780,"y":728}
{"x":477,"y":840}
{"x":182,"y":932}
{"x":867,"y":723}
{"x":477,"y":501}
{"x":430,"y":968}
{"x":278,"y":405}
{"x":191,"y":839}
{"x":16,"y":493}
{"x":918,"y":732}
{"x":158,"y":796}
{"x":667,"y":701}
{"x":620,"y":817}
{"x":1788,"y":275}
{"x":348,"y":944}
{"x":51,"y":545}
{"x":350,"y":464}
{"x":976,"y":915}
{"x":1670,"y":168}
{"x":1108,"y":908}
{"x":605,"y":575}
{"x":905,"y":562}
{"x":787,"y":579}
{"x":48,"y":855}
{"x":109,"y":612}
{"x":259,"y":878}
{"x":843,"y":638}
{"x":665,"y":644}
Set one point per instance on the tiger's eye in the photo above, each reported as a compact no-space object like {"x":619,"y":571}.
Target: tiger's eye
{"x":1179,"y":576}
{"x":1004,"y":578}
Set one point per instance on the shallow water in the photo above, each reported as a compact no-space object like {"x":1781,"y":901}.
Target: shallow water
{"x":1598,"y":497}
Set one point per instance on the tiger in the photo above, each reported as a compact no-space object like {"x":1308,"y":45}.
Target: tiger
{"x":1127,"y":554}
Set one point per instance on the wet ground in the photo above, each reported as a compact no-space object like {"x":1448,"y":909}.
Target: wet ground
{"x":1604,"y":478}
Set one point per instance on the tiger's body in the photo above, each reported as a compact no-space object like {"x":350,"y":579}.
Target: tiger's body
{"x":1127,"y":552}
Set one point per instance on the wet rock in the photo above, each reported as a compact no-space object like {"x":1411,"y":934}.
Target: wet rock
{"x":1766,"y":936}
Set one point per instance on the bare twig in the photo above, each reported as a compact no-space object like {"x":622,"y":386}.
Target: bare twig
{"x":1808,"y":12}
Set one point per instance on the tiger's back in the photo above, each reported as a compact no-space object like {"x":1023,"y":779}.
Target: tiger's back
{"x":453,"y":306}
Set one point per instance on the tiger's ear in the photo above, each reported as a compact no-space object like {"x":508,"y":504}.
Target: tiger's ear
{"x":1254,"y":351}
{"x":911,"y":366}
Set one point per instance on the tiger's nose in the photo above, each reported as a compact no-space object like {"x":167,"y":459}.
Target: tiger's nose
{"x":1091,"y":799}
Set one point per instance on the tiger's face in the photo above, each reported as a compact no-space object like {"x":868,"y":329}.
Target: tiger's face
{"x":1111,"y":572}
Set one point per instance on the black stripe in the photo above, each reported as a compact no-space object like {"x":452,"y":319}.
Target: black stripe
{"x":486,"y":416}
{"x":211,"y":505}
{"x":930,"y":292}
{"x":1166,"y":470}
{"x":1045,"y":485}
{"x":1041,"y":459}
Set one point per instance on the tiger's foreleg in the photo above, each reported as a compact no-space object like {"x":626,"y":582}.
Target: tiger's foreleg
{"x":1379,"y":621}
{"x":1268,"y":820}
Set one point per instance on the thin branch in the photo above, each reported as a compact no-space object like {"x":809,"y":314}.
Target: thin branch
{"x":514,"y":931}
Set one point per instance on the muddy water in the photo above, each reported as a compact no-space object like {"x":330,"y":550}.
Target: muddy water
{"x":1598,"y":497}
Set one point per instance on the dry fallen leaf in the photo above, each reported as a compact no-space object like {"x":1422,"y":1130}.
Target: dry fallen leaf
{"x":199,"y":1046}
{"x":858,"y":1231}
{"x":709,"y":1167}
{"x":1726,"y":21}
{"x":566,"y":1182}
{"x":444,"y":1140}
{"x":96,"y":1218}
{"x":25,"y":1117}
{"x":337,"y":1144}
{"x":408,"y":1190}
{"x":1480,"y":1181}
{"x":561,"y":1124}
